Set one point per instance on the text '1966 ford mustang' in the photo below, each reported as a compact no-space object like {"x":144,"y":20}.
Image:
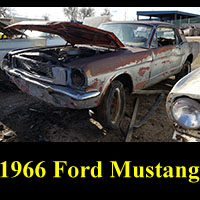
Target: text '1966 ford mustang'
{"x":97,"y":65}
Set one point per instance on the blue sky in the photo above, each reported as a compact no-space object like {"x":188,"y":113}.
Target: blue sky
{"x":119,"y":13}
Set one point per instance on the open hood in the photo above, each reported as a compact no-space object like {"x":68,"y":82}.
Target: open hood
{"x":9,"y":33}
{"x":73,"y":33}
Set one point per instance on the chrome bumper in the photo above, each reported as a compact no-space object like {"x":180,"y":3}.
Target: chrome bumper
{"x":70,"y":93}
{"x":180,"y":137}
{"x":59,"y":96}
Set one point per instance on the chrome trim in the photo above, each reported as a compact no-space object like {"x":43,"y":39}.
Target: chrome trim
{"x":34,"y":76}
{"x":179,"y":137}
{"x":77,"y":96}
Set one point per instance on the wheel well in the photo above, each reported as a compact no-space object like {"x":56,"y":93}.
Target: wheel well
{"x":190,"y":58}
{"x":126,"y":80}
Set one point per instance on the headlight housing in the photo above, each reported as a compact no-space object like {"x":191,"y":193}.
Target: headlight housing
{"x":5,"y":63}
{"x":186,"y":112}
{"x":77,"y":77}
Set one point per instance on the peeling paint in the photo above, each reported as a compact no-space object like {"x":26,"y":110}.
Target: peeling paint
{"x":140,"y":85}
{"x":93,"y":85}
{"x":143,"y":70}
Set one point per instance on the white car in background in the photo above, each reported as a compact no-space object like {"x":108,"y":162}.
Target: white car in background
{"x":14,"y":39}
{"x":51,"y":40}
{"x":183,"y":108}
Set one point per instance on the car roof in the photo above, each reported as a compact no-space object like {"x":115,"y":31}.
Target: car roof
{"x":147,"y":22}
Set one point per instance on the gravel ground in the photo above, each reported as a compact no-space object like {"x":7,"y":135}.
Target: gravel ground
{"x":33,"y":120}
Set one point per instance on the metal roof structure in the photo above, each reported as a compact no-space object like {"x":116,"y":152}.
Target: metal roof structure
{"x":166,"y":15}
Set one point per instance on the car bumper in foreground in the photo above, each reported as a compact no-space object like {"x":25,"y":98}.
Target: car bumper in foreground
{"x":180,"y":137}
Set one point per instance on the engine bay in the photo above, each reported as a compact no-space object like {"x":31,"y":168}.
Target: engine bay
{"x":41,"y":61}
{"x":62,"y":55}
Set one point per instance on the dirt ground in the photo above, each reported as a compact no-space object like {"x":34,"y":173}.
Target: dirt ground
{"x":24,"y":118}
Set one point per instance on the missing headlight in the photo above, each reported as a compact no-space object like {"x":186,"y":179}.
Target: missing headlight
{"x":77,"y":77}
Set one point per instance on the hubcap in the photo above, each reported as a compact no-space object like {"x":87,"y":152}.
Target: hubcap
{"x":115,"y":105}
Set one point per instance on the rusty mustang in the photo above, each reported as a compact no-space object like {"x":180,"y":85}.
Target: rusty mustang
{"x":99,"y":66}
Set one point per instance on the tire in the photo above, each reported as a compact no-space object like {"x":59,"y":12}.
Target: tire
{"x":184,"y":71}
{"x":112,"y":108}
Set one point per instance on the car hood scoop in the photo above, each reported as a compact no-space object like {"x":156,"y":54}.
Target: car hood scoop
{"x":73,"y":33}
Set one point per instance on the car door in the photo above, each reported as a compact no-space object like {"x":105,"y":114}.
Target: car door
{"x":166,"y":53}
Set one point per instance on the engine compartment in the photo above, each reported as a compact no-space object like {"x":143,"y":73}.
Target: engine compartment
{"x":62,"y":55}
{"x":41,"y":61}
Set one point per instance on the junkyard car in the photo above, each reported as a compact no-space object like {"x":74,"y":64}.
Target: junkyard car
{"x":183,"y":108}
{"x":97,"y":65}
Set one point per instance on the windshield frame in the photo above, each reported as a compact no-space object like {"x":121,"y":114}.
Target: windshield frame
{"x":147,"y":45}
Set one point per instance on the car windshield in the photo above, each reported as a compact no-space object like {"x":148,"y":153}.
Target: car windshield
{"x":129,"y":33}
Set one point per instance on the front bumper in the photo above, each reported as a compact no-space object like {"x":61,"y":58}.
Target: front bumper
{"x":180,"y":137}
{"x":59,"y":96}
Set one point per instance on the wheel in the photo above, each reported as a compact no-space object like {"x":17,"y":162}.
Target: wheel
{"x":184,"y":71}
{"x":112,"y":108}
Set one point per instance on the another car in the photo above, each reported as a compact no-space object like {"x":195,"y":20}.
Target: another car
{"x":51,"y":40}
{"x":183,"y":108}
{"x":14,"y":39}
{"x":98,"y":67}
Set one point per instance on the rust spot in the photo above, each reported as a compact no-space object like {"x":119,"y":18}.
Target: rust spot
{"x":140,"y":85}
{"x":143,"y":70}
{"x":164,"y":73}
{"x":74,"y":105}
{"x":24,"y":88}
{"x":97,"y":100}
{"x":88,"y":73}
{"x":173,"y":70}
{"x":163,"y":49}
{"x":165,"y":61}
{"x":93,"y":85}
{"x":101,"y":86}
{"x":110,"y":62}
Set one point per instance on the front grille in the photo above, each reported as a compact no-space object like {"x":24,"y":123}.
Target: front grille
{"x":33,"y":66}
